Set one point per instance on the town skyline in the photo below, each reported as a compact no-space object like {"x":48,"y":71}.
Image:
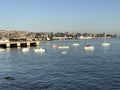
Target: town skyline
{"x":91,"y":16}
{"x":26,"y":35}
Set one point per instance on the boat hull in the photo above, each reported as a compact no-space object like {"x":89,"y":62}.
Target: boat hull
{"x":89,"y":47}
{"x":105,"y":44}
{"x":63,"y":47}
{"x":76,"y":44}
{"x":39,"y":50}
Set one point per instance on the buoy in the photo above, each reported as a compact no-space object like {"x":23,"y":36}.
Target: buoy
{"x":54,"y":46}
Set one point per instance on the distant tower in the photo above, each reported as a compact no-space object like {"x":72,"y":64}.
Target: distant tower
{"x":104,"y":34}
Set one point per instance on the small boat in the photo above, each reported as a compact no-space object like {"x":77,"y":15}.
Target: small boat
{"x":75,"y":44}
{"x":63,"y":47}
{"x":25,"y":49}
{"x":105,"y":44}
{"x":39,"y":50}
{"x":89,"y":47}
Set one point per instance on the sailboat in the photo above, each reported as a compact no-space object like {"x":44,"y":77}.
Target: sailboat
{"x":1,"y":49}
{"x":105,"y":43}
{"x":39,"y":49}
{"x":75,"y":44}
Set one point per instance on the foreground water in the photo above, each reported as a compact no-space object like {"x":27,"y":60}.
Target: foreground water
{"x":76,"y":70}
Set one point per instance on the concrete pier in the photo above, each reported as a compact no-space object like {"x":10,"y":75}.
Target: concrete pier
{"x":19,"y":44}
{"x":7,"y":44}
{"x":37,"y":43}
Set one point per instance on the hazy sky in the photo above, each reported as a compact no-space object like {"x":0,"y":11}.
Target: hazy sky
{"x":61,"y":15}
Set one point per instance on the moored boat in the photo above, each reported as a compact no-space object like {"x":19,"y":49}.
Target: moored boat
{"x":39,"y":50}
{"x":63,"y":47}
{"x":89,"y":47}
{"x":105,"y":44}
{"x":75,"y":44}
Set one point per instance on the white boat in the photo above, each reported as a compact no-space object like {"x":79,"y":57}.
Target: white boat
{"x":39,"y":50}
{"x":105,"y":44}
{"x":75,"y":44}
{"x":25,"y":49}
{"x":89,"y":47}
{"x":63,"y":47}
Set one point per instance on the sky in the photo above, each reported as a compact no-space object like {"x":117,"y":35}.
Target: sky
{"x":92,"y":16}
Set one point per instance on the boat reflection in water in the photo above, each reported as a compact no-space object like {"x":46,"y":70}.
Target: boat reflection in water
{"x":25,"y":49}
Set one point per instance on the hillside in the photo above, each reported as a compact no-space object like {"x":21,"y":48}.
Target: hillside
{"x":12,"y":34}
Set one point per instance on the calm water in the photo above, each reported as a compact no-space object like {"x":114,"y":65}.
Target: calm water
{"x":76,"y":70}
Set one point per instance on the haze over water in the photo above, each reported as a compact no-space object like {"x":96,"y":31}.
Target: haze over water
{"x":76,"y":70}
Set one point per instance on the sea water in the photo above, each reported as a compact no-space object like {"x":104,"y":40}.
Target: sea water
{"x":77,"y":69}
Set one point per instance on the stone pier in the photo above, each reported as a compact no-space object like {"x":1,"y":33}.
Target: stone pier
{"x":19,"y":44}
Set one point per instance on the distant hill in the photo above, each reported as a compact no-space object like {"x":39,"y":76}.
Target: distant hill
{"x":16,"y":34}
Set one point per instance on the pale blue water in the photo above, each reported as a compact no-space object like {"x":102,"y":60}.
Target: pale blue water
{"x":76,"y":70}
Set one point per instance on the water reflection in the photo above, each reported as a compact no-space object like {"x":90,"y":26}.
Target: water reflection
{"x":106,"y":49}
